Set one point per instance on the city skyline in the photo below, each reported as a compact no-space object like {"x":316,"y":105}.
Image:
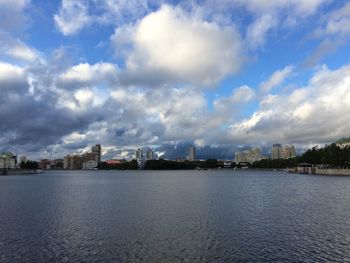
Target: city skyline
{"x":221,"y":76}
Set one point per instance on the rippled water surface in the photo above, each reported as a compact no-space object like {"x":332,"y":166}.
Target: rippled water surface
{"x":174,"y":216}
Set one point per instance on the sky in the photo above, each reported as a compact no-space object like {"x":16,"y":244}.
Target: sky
{"x":221,"y":75}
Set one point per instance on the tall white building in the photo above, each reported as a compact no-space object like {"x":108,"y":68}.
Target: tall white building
{"x":191,"y":153}
{"x":276,"y":151}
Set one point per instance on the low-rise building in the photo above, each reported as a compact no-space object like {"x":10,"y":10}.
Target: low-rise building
{"x":90,"y":165}
{"x":115,"y":161}
{"x":73,"y":162}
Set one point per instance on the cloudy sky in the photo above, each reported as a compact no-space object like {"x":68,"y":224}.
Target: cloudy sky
{"x":127,"y":73}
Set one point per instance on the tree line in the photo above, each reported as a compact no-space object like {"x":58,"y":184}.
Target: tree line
{"x":331,"y":155}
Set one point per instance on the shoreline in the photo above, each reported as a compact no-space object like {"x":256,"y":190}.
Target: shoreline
{"x":20,"y":172}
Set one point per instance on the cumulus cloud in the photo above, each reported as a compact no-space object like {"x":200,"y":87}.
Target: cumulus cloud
{"x":21,"y":51}
{"x":239,"y":96}
{"x":86,"y":74}
{"x":11,"y":76}
{"x":171,"y":45}
{"x":277,"y":78}
{"x":312,"y":114}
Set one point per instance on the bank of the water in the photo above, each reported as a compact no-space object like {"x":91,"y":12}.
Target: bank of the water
{"x":5,"y":172}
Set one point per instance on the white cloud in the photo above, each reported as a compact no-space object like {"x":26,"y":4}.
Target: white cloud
{"x":277,"y":78}
{"x":239,"y":96}
{"x":339,"y":21}
{"x":11,"y":74}
{"x":86,"y":74}
{"x":316,"y":113}
{"x":298,"y":7}
{"x":171,"y":45}
{"x":72,"y":16}
{"x":257,"y":31}
{"x":21,"y":51}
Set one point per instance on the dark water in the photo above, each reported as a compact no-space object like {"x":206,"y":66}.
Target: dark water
{"x":180,"y":216}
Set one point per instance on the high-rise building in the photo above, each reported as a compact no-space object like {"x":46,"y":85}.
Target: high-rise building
{"x":285,"y":152}
{"x":149,"y":155}
{"x":97,"y":151}
{"x":249,"y":156}
{"x":138,"y":154}
{"x":191,"y":153}
{"x":276,"y":152}
{"x":288,"y":151}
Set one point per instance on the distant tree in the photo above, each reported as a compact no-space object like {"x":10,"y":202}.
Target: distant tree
{"x":29,"y":165}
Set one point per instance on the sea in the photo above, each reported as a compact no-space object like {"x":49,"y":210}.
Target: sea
{"x":174,"y":216}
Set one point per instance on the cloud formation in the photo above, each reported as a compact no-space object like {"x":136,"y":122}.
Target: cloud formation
{"x":170,"y":75}
{"x":171,"y":45}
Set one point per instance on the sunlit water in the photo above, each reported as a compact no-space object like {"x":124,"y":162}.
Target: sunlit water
{"x":174,"y":216}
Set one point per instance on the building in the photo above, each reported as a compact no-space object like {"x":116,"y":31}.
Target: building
{"x":8,"y":160}
{"x":285,"y":152}
{"x":97,"y":150}
{"x":149,"y":155}
{"x":76,"y":162}
{"x":73,"y":162}
{"x":57,"y":164}
{"x":139,"y":154}
{"x":249,"y":156}
{"x":288,"y":151}
{"x":191,"y":153}
{"x":276,"y":152}
{"x":115,"y":161}
{"x":90,"y":165}
{"x":45,"y":164}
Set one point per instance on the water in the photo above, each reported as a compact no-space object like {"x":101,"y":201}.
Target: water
{"x":174,"y":216}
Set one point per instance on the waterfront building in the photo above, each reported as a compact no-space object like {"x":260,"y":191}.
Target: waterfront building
{"x":8,"y":160}
{"x":45,"y":164}
{"x":57,"y":164}
{"x":150,"y":155}
{"x":139,"y":154}
{"x":276,"y":152}
{"x":73,"y":162}
{"x":76,"y":162}
{"x":96,"y":150}
{"x":248,"y":156}
{"x":288,"y":151}
{"x":115,"y":161}
{"x":90,"y":165}
{"x":285,"y":152}
{"x":191,"y":153}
